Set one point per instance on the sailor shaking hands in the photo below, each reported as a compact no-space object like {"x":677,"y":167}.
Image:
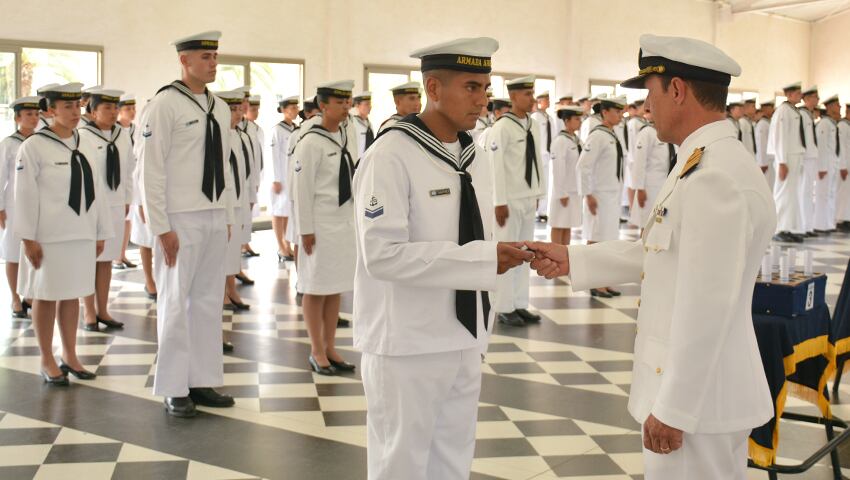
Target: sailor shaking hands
{"x":698,"y":382}
{"x":425,"y":264}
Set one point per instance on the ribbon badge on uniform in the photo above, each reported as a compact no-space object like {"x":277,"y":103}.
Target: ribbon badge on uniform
{"x":375,"y":209}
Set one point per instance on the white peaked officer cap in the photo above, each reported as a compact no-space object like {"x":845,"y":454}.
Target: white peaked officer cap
{"x":682,"y":57}
{"x":471,"y":55}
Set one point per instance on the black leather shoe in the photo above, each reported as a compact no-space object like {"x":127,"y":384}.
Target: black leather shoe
{"x":22,"y":313}
{"x":80,"y":374}
{"x":151,"y":295}
{"x":600,"y":293}
{"x":229,"y":307}
{"x":240,"y":305}
{"x":208,"y":397}
{"x":57,"y":381}
{"x":614,"y":293}
{"x":329,"y":370}
{"x":527,"y":316}
{"x":343,"y":323}
{"x":91,"y":327}
{"x":110,"y":323}
{"x":513,"y":319}
{"x":226,"y":346}
{"x":118,"y":266}
{"x":182,"y":407}
{"x":795,"y":238}
{"x":343,"y":366}
{"x":244,"y":279}
{"x":299,"y":298}
{"x":27,"y":305}
{"x":127,"y":263}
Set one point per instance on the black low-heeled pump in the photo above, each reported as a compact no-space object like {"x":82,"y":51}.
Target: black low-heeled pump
{"x":244,"y":279}
{"x":57,"y":381}
{"x":343,"y":366}
{"x":80,"y":374}
{"x":329,"y":370}
{"x":110,"y":323}
{"x":239,"y":305}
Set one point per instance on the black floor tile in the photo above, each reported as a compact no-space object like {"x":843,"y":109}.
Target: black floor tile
{"x":612,"y":365}
{"x":18,"y":351}
{"x":578,"y":465}
{"x":549,"y":303}
{"x":95,"y":340}
{"x":267,"y":378}
{"x":491,"y":414}
{"x":28,"y":436}
{"x":241,"y":367}
{"x":579,"y":378}
{"x":289,"y":404}
{"x":292,"y":334}
{"x":84,"y":453}
{"x":631,"y":312}
{"x":345,"y":419}
{"x":503,"y":347}
{"x":554,"y":356}
{"x":123,"y":369}
{"x":503,"y":447}
{"x":544,"y":428}
{"x":619,"y":443}
{"x":506,"y":368}
{"x":90,"y":359}
{"x":131,"y":349}
{"x":25,"y":472}
{"x":339,"y":389}
{"x":150,"y":470}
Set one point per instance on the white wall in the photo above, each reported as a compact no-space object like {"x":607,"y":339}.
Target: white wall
{"x":831,"y":57}
{"x":575,"y":40}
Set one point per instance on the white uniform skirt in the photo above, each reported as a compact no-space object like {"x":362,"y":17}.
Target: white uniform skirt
{"x":330,"y":269}
{"x":233,"y":254}
{"x":140,"y":234}
{"x":247,"y":224}
{"x":66,"y":272}
{"x":112,"y":246}
{"x":281,"y":206}
{"x":10,"y":247}
{"x":639,"y":216}
{"x":565,"y":217}
{"x":605,"y":225}
{"x":292,"y":227}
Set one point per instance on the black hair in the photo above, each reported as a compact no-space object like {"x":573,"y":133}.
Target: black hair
{"x":490,"y":106}
{"x":597,"y":108}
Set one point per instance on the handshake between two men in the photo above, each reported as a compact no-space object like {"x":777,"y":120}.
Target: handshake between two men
{"x":549,"y":260}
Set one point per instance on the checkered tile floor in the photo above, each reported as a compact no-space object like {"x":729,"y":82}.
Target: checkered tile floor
{"x":552,"y":405}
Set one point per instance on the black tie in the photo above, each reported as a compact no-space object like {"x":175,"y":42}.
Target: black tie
{"x":802,"y":130}
{"x":814,"y":133}
{"x":548,"y":133}
{"x":470,"y":226}
{"x":530,"y":158}
{"x":740,"y":131}
{"x":113,"y":166}
{"x":346,"y":166}
{"x":370,"y":136}
{"x":619,"y":158}
{"x":234,"y":165}
{"x":626,"y":134}
{"x":671,"y":152}
{"x":753,"y":136}
{"x":837,"y":141}
{"x":245,"y":154}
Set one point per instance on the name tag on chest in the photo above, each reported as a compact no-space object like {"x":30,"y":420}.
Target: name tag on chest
{"x":440,"y":192}
{"x":192,"y":122}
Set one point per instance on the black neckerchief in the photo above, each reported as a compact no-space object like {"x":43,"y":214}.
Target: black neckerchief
{"x":132,"y":134}
{"x":530,"y":148}
{"x":470,"y":225}
{"x":548,"y":132}
{"x":245,"y":152}
{"x":837,"y":135}
{"x":572,"y":138}
{"x":608,"y":131}
{"x":113,"y":157}
{"x":812,"y":118}
{"x":289,"y":128}
{"x":737,"y":127}
{"x":370,"y":134}
{"x":234,"y":166}
{"x":800,"y":118}
{"x":250,"y":144}
{"x":213,"y":179}
{"x":81,"y":173}
{"x":346,"y":165}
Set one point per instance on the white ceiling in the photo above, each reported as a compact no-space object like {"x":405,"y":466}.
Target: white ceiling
{"x":804,"y":10}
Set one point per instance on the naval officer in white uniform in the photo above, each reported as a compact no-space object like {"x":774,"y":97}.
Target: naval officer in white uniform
{"x":698,"y":385}
{"x":425,"y":261}
{"x":63,"y":220}
{"x":26,"y":114}
{"x":107,"y":146}
{"x":188,"y":201}
{"x":512,"y":147}
{"x":323,"y":172}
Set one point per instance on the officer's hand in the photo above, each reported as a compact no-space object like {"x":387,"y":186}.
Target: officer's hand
{"x":170,"y":245}
{"x":277,"y":187}
{"x":510,"y":256}
{"x":764,"y":169}
{"x":821,"y":175}
{"x":550,"y":259}
{"x":502,"y":214}
{"x":308,"y":242}
{"x":843,"y":173}
{"x":99,"y":247}
{"x":565,"y":201}
{"x":142,"y":214}
{"x":591,"y":204}
{"x":33,"y":252}
{"x":641,"y":198}
{"x":783,"y":172}
{"x":660,"y":438}
{"x":3,"y":219}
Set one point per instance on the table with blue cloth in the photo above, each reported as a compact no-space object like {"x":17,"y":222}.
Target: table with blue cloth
{"x":798,"y":354}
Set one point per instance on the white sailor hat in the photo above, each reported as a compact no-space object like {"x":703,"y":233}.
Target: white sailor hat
{"x":254,"y":99}
{"x":340,"y":88}
{"x":614,"y":102}
{"x":599,"y":97}
{"x":793,"y":86}
{"x":832,"y":99}
{"x":127,"y":99}
{"x":199,"y":41}
{"x":363,"y":96}
{"x":565,"y":97}
{"x":409,"y":88}
{"x":502,"y":103}
{"x":69,"y":91}
{"x":521,"y":83}
{"x":24,"y":103}
{"x":231,"y":97}
{"x":566,"y":112}
{"x":44,"y":88}
{"x":462,"y":54}
{"x":543,"y":94}
{"x":770,"y":102}
{"x":89,"y":90}
{"x":104,"y":95}
{"x":583,"y":98}
{"x":245,"y":90}
{"x":810,"y":90}
{"x":293,"y":100}
{"x":682,"y":57}
{"x":733,"y":103}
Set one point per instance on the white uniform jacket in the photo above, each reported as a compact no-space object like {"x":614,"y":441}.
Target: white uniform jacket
{"x":697,"y":365}
{"x":94,"y":143}
{"x":506,"y":149}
